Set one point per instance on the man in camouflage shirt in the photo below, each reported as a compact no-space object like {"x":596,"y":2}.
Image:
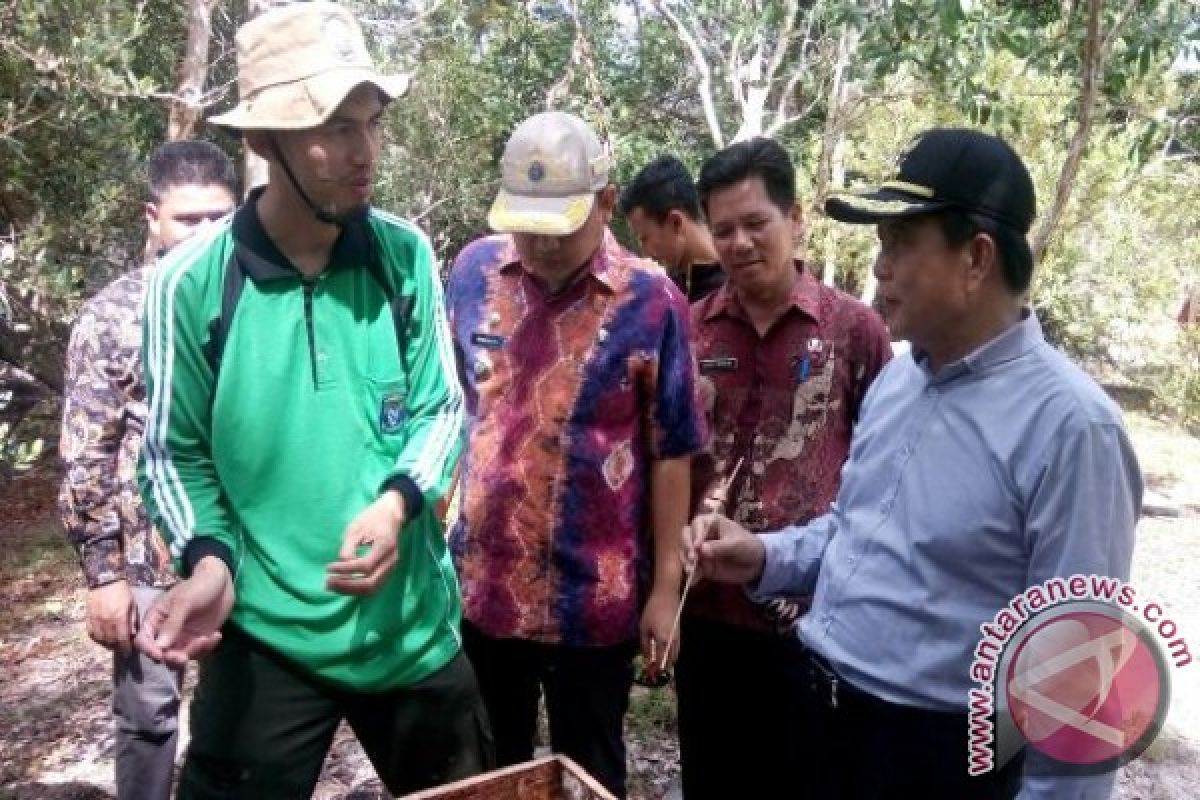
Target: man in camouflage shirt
{"x":125,"y":564}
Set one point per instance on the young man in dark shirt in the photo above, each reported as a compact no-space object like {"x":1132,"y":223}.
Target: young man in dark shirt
{"x":664,"y":211}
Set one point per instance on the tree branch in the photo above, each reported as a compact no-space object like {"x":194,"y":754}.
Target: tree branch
{"x":702,"y":67}
{"x":1114,"y":32}
{"x":781,"y":44}
{"x":193,"y":71}
{"x":1091,"y":65}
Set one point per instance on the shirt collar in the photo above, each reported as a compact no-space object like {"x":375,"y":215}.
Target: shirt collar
{"x":264,"y":261}
{"x":602,"y":265}
{"x":1012,"y":343}
{"x":806,"y":298}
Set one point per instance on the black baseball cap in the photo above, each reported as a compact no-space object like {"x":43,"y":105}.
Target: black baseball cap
{"x":947,"y":168}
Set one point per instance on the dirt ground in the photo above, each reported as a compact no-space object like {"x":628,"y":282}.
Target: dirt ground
{"x":56,"y":740}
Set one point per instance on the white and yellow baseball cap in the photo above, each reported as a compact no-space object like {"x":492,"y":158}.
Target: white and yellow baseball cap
{"x":552,"y":167}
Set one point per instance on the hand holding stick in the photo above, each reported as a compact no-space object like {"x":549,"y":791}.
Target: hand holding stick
{"x":722,"y":495}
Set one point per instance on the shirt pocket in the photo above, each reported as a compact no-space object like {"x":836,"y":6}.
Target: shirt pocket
{"x":386,"y":410}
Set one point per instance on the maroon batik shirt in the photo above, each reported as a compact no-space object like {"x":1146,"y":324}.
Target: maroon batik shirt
{"x":786,"y":405}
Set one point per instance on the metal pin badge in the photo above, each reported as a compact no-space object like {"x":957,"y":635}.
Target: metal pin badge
{"x":803,"y":369}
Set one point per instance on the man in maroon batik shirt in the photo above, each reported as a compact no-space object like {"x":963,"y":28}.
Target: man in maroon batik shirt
{"x":785,"y":362}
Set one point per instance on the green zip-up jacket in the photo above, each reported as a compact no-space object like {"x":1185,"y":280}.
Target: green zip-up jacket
{"x":315,"y":407}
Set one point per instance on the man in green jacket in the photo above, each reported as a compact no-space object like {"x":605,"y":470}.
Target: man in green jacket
{"x":304,"y":418}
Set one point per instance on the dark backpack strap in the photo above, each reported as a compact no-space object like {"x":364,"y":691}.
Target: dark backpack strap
{"x":400,"y":305}
{"x":231,"y":292}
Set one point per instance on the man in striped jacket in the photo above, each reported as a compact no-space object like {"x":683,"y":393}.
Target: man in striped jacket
{"x":304,"y":419}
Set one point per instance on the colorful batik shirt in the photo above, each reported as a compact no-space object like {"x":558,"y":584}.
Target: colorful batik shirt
{"x":104,"y":417}
{"x":785,"y":404}
{"x":570,"y":397}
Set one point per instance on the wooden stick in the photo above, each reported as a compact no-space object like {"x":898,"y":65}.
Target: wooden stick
{"x":723,"y":495}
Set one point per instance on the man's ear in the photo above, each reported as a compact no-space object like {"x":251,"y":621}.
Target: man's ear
{"x":606,"y":199}
{"x":984,"y":257}
{"x":259,"y":143}
{"x":796,"y":215}
{"x":153,"y":222}
{"x":675,"y":221}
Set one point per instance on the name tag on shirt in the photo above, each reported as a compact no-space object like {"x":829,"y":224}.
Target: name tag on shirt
{"x":710,"y":365}
{"x":488,"y":341}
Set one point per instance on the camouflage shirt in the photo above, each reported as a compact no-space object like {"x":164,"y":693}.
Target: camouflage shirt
{"x":104,"y":416}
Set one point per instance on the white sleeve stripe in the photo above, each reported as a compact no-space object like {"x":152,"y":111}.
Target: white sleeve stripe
{"x":447,"y":425}
{"x":173,"y":501}
{"x":450,"y":418}
{"x":153,"y":450}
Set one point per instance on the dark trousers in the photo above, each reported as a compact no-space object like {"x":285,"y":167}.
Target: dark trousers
{"x":859,"y":747}
{"x":261,"y":728}
{"x":739,"y":718}
{"x":587,"y":695}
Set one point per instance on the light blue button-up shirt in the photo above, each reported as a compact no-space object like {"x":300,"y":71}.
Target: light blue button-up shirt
{"x":963,"y":488}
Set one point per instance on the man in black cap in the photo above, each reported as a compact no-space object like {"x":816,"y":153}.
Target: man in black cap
{"x":984,"y":465}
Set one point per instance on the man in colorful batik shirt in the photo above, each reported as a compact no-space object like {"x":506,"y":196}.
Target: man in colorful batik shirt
{"x":125,"y":565}
{"x":582,"y":420}
{"x":785,"y":362}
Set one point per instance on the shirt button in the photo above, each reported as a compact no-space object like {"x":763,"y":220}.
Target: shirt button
{"x":885,"y":506}
{"x":852,"y":559}
{"x":931,"y":391}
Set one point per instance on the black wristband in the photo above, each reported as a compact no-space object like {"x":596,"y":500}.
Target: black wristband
{"x":414,"y":499}
{"x":203,"y":546}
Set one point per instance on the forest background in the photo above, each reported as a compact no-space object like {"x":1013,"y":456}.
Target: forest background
{"x":1101,"y":97}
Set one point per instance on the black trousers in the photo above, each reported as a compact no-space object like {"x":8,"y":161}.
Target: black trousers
{"x":739,"y":715}
{"x":587,"y":695}
{"x":856,"y":746}
{"x":261,"y":728}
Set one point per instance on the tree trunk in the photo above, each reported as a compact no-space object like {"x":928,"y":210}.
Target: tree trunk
{"x":703,"y":71}
{"x":1095,"y":53}
{"x":255,"y":171}
{"x":831,"y":168}
{"x":187,"y":105}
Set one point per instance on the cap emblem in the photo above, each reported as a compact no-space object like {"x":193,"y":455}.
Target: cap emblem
{"x":336,"y":31}
{"x":537,"y":171}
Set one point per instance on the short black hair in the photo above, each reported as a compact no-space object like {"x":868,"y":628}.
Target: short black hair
{"x":1012,"y":246}
{"x":192,"y":163}
{"x":660,"y":187}
{"x":759,"y":157}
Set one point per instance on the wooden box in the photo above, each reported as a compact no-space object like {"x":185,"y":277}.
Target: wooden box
{"x":552,"y":778}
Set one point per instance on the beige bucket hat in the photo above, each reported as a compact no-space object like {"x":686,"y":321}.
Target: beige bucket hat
{"x":552,"y":167}
{"x":296,"y":64}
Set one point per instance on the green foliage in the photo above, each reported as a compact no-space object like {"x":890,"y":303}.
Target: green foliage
{"x":77,"y":83}
{"x":82,"y":102}
{"x":1177,"y":388}
{"x":17,"y":455}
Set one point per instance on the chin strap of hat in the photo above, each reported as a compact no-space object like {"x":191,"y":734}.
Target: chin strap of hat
{"x":321,"y":214}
